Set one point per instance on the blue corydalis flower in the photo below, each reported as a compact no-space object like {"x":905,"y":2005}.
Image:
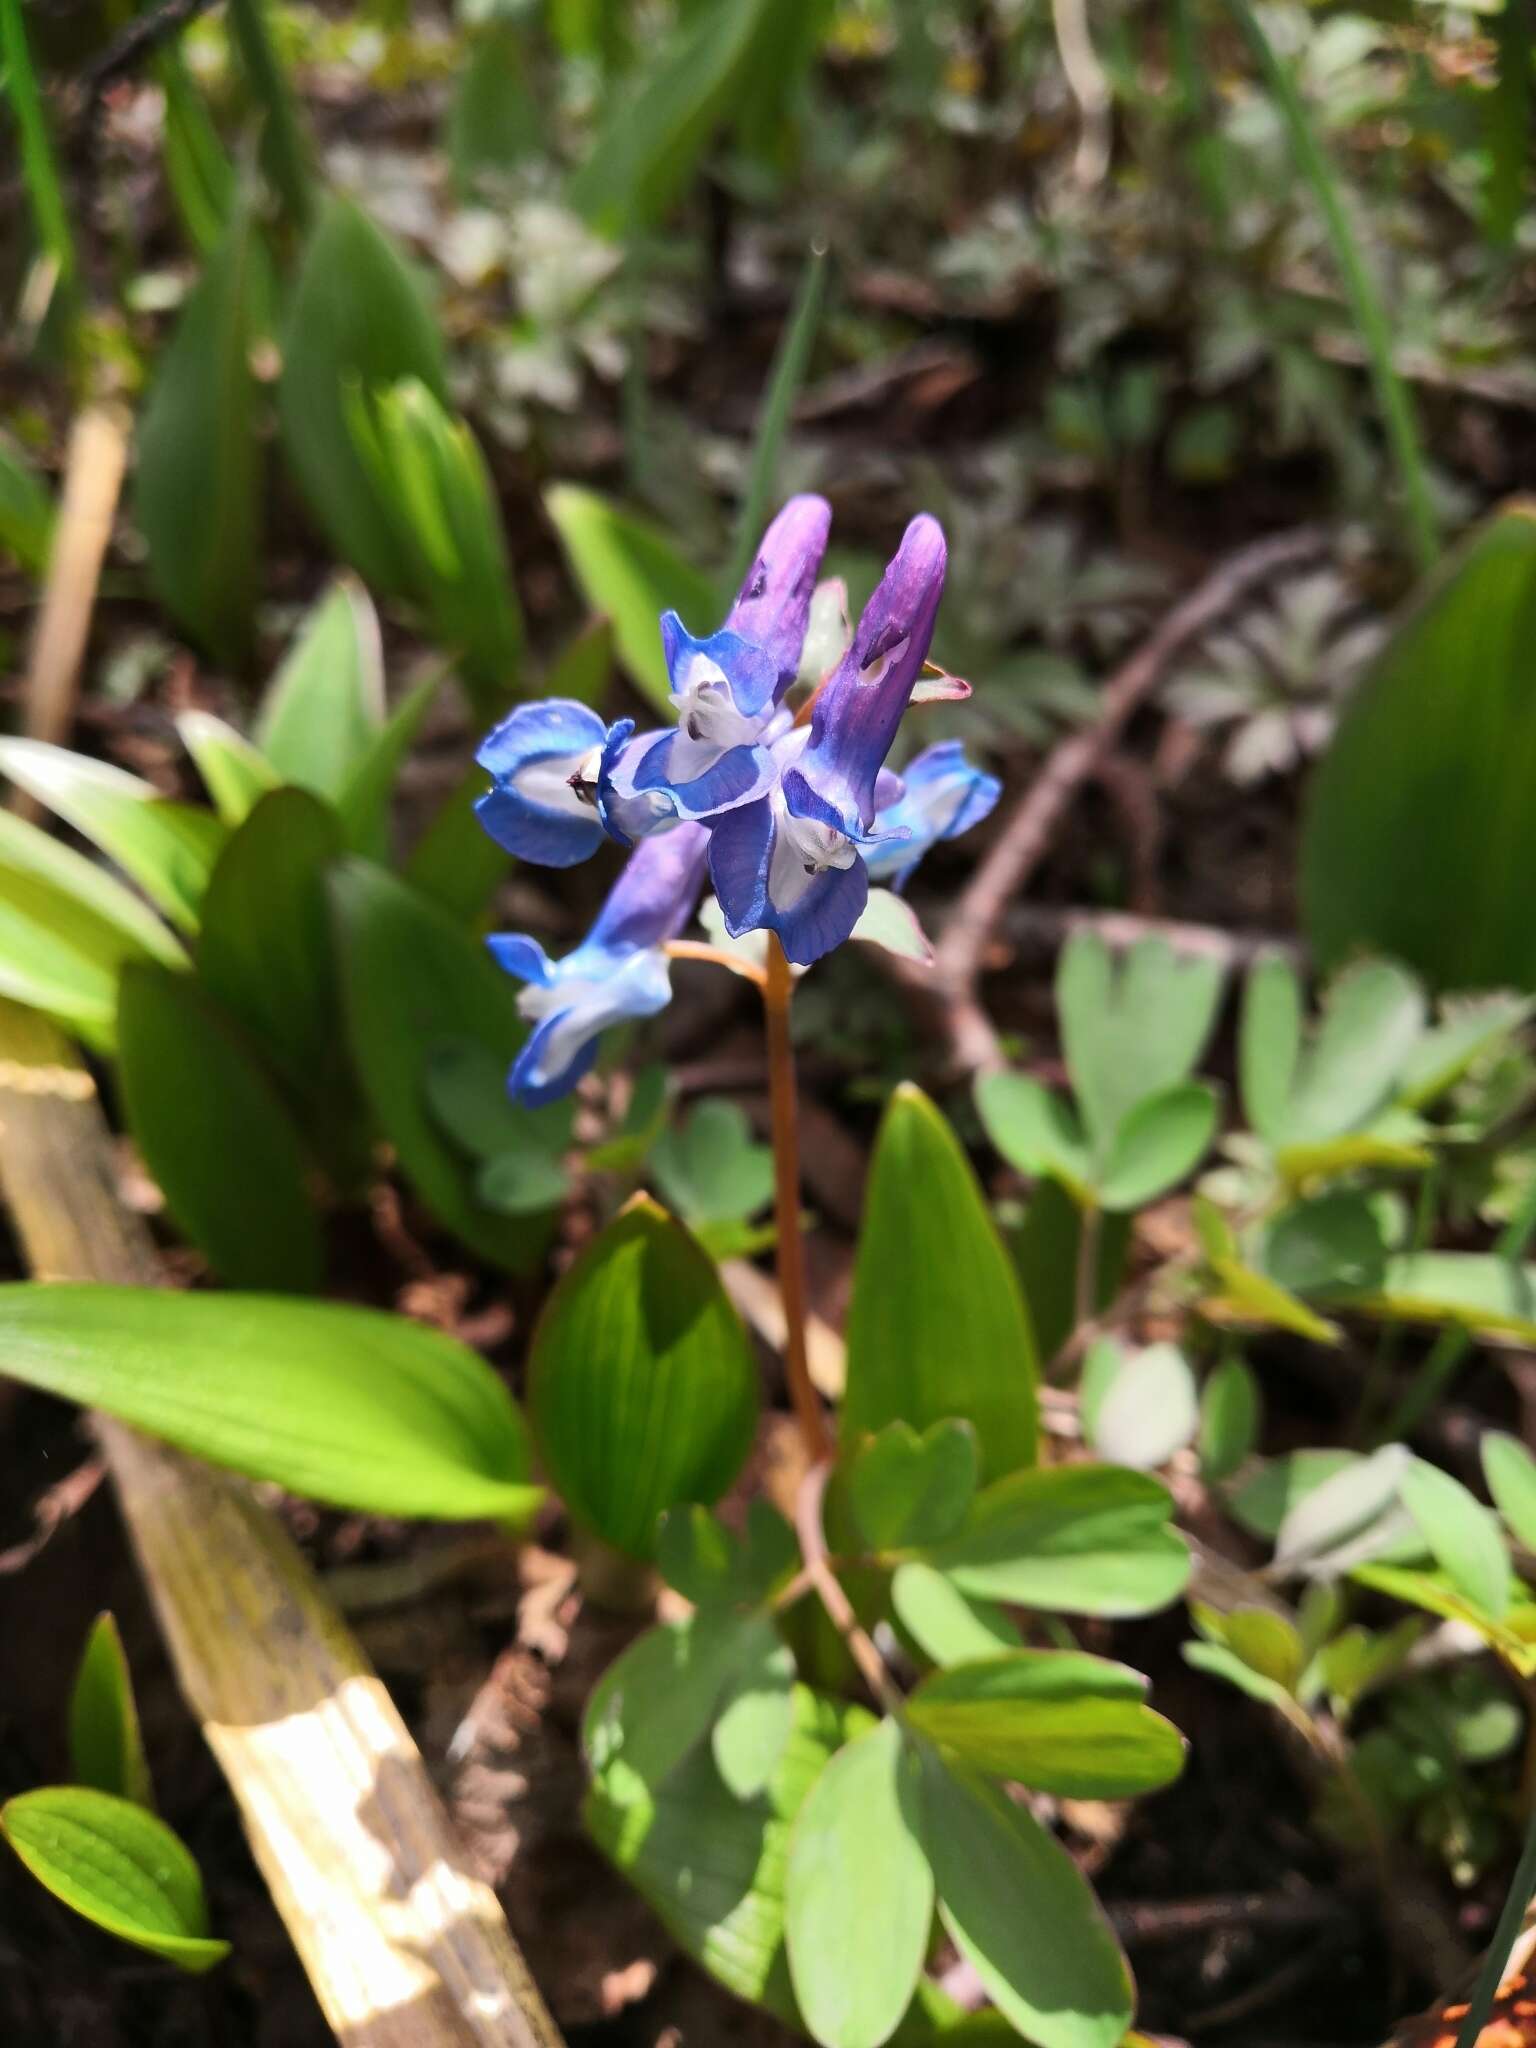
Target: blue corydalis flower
{"x":938,"y":795}
{"x":792,"y":861}
{"x":618,"y":971}
{"x":545,"y":761}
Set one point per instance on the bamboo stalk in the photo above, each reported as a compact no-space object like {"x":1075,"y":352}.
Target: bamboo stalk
{"x":404,"y":1946}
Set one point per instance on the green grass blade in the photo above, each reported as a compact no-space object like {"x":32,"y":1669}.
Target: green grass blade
{"x":285,"y":147}
{"x":39,"y":166}
{"x":788,"y":374}
{"x":1360,"y":289}
{"x":1508,"y":130}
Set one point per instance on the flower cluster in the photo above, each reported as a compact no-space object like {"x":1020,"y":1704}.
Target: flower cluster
{"x":791,"y":819}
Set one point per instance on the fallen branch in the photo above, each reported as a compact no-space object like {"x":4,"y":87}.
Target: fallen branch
{"x":1026,"y":837}
{"x":404,"y":1946}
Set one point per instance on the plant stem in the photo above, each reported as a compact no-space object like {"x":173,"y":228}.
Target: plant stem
{"x":1086,"y":1289}
{"x":829,"y":1590}
{"x":778,"y":992}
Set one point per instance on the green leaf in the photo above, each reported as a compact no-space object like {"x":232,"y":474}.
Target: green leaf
{"x":655,"y":1703}
{"x":1418,"y":830}
{"x":889,"y":922}
{"x":106,"y":1749}
{"x":1046,"y":1248}
{"x":908,"y":1490}
{"x":237,"y":774}
{"x":66,"y":930}
{"x":1464,"y":1538}
{"x":323,"y":710}
{"x":724,"y":1906}
{"x":1055,"y":1970}
{"x":396,"y":1022}
{"x":346,"y":1405}
{"x":26,"y":511}
{"x":1266,"y":1642}
{"x":1328,"y":1245}
{"x":855,"y":1865}
{"x":358,"y":319}
{"x":641,"y":1383}
{"x":1034,"y":1130}
{"x":197,"y":491}
{"x":652,"y":138}
{"x":215,"y":1133}
{"x":118,"y":1867}
{"x":1262,"y":1503}
{"x":1354,"y":1513}
{"x":1158,"y":1144}
{"x":364,"y":802}
{"x":947,"y":1625}
{"x":937,"y":1325}
{"x":1479,"y":1290}
{"x":756,"y":1711}
{"x":1217,"y":1661}
{"x":629,"y":574}
{"x":167,"y":848}
{"x":1130,"y":1029}
{"x":1269,"y":1044}
{"x":456,"y":862}
{"x":1470,"y":1027}
{"x":710,"y":1567}
{"x":710,"y":1170}
{"x":1056,"y":1720}
{"x":1229,"y":1419}
{"x":1373,"y":1015}
{"x":1075,"y":1539}
{"x":467,"y":1092}
{"x":265,"y":950}
{"x":1513,"y":1636}
{"x":1149,"y":1410}
{"x":1510,"y":1471}
{"x":522,"y":1183}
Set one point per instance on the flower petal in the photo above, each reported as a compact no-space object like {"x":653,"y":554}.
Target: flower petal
{"x":724,"y":676}
{"x":657,"y":893}
{"x":521,"y":957}
{"x":773,"y":607}
{"x":535,"y":757}
{"x":942,"y":796}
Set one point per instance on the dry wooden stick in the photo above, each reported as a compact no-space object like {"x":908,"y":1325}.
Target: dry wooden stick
{"x":1019,"y":849}
{"x":405,"y":1947}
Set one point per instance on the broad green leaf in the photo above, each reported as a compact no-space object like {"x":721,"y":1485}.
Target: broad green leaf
{"x":756,"y":1711}
{"x":1269,"y":1044}
{"x":1372,"y":1017}
{"x":1328,"y":1245}
{"x":708,"y":1566}
{"x":1510,"y":1471}
{"x":118,"y":1867}
{"x":1247,"y":1295}
{"x":265,"y":950}
{"x":629,"y":574}
{"x":712,"y":1866}
{"x":1158,"y":1144}
{"x":167,"y":848}
{"x":855,"y":1865}
{"x":197,"y":491}
{"x":1056,"y":1720}
{"x":1217,"y":1661}
{"x":323,"y":710}
{"x":1131,"y":1028}
{"x":947,"y":1625}
{"x":1267,"y":1643}
{"x":1262,"y":1503}
{"x":365,"y":799}
{"x":67,"y":928}
{"x":396,"y":1021}
{"x":1229,"y":1419}
{"x":710,"y":1169}
{"x":1463,"y":1537}
{"x":908,"y":1490}
{"x":495,"y":118}
{"x":1074,"y":1539}
{"x":1150,"y":1409}
{"x":349,"y":1406}
{"x":937,"y":1325}
{"x":652,"y":138}
{"x":215,"y":1134}
{"x":456,"y":862}
{"x":1469,"y":1028}
{"x":202,"y":180}
{"x":1344,"y":1506}
{"x":467,"y":1090}
{"x":1034,"y":1129}
{"x":1479,"y":1290}
{"x":529,"y":1183}
{"x":26,"y":511}
{"x":1054,"y":1969}
{"x":358,"y":320}
{"x":1046,"y":1249}
{"x":237,"y":774}
{"x":106,"y":1749}
{"x":641,"y":1384}
{"x":656,"y":1702}
{"x":1418,"y":832}
{"x":1513,"y":1635}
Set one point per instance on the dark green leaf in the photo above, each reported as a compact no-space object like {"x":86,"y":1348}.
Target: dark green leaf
{"x":1229,"y":1419}
{"x":908,"y":1490}
{"x":1329,"y":1244}
{"x":215,"y":1133}
{"x":364,"y":802}
{"x":937,"y":1326}
{"x":397,"y":1021}
{"x":1053,"y":1719}
{"x":167,"y":848}
{"x":323,"y":710}
{"x":118,"y":1867}
{"x":358,"y":320}
{"x":26,"y":511}
{"x":1077,"y":1539}
{"x":106,"y":1749}
{"x":1418,"y":833}
{"x":629,"y":574}
{"x":198,"y":482}
{"x":360,"y":1409}
{"x":1055,"y":1970}
{"x":854,"y":1865}
{"x":522,"y":1183}
{"x":642,"y":1386}
{"x":1046,"y":1250}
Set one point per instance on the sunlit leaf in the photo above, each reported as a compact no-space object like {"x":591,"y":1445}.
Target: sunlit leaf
{"x":236,"y":773}
{"x":106,"y":1749}
{"x":908,"y":1490}
{"x":1463,"y":1537}
{"x":947,"y":1625}
{"x":1510,"y":1471}
{"x":323,"y":709}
